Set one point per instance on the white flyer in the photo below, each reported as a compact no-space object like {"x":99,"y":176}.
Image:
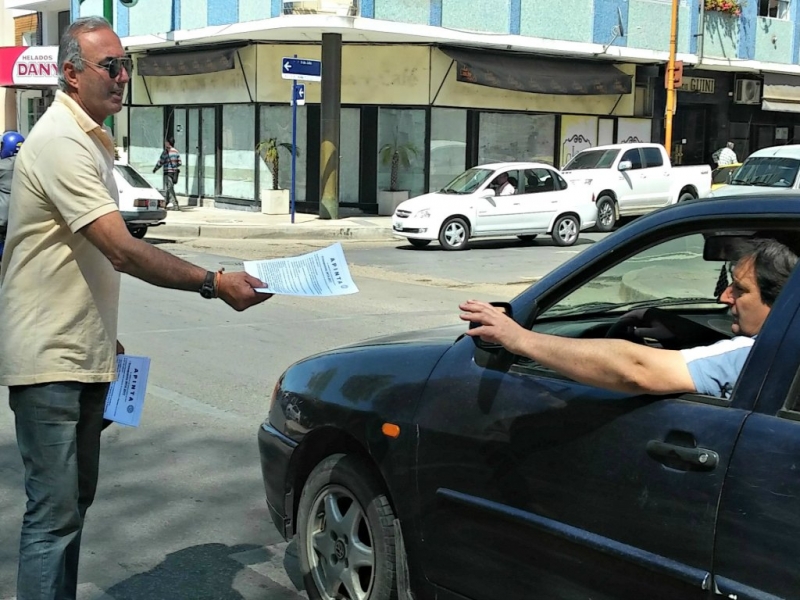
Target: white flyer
{"x":323,"y":272}
{"x":125,"y":397}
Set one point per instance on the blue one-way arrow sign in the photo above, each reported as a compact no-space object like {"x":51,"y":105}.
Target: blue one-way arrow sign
{"x":299,"y":94}
{"x":301,"y":69}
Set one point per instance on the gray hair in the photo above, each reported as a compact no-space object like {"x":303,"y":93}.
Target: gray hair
{"x":69,"y":48}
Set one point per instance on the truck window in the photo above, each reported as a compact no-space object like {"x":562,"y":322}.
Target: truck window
{"x":652,"y":157}
{"x":592,"y":159}
{"x":633,"y":156}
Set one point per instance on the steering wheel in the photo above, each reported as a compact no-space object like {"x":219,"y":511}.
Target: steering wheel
{"x":671,"y":330}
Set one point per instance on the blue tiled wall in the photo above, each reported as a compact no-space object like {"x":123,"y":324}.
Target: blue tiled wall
{"x":607,"y":15}
{"x":774,"y":40}
{"x":223,"y":12}
{"x":748,"y":23}
{"x":721,"y":36}
{"x":491,"y":17}
{"x":194,"y":14}
{"x":404,"y":11}
{"x":150,"y":16}
{"x":253,"y":10}
{"x":122,"y":21}
{"x":649,"y":24}
{"x":571,"y":20}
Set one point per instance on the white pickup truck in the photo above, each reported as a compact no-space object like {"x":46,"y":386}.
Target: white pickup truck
{"x":634,"y":179}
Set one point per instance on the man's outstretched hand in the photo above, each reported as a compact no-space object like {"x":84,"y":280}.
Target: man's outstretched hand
{"x":493,"y":325}
{"x":238,"y":290}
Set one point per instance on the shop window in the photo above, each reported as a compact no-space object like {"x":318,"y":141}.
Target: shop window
{"x":63,"y":22}
{"x":276,"y":124}
{"x":147,"y":142}
{"x":508,"y":137}
{"x":401,"y":132}
{"x":448,"y":149}
{"x":777,"y":9}
{"x":238,"y":144}
{"x":350,"y":155}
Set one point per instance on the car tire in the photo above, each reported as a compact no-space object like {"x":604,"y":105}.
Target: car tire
{"x":454,"y":234}
{"x":419,"y":243}
{"x":606,"y":214}
{"x":138,"y":232}
{"x":527,"y":238}
{"x":566,"y":230}
{"x":685,"y":197}
{"x":343,"y":500}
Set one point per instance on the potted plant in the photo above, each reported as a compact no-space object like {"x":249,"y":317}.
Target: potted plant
{"x":274,"y":201}
{"x":731,"y":7}
{"x":396,"y":155}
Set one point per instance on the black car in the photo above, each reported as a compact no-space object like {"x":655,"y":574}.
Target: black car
{"x":425,"y":466}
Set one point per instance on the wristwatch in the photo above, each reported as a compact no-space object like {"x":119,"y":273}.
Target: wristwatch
{"x":207,"y":289}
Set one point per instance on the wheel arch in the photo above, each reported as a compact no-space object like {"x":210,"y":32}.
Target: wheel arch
{"x":458,"y":216}
{"x":568,"y":213}
{"x":690,"y":188}
{"x":316,"y":447}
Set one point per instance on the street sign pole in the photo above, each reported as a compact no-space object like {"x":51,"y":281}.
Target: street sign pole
{"x":294,"y":145}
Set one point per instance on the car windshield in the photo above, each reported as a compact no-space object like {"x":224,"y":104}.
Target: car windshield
{"x":132,"y":176}
{"x":667,"y":275}
{"x":468,"y":181}
{"x":767,"y":171}
{"x":723,"y":175}
{"x":592,"y":159}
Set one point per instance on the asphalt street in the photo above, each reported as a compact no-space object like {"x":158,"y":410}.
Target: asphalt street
{"x":180,"y":511}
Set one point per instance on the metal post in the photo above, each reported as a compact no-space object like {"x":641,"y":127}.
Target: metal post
{"x":671,"y":94}
{"x":329,"y":125}
{"x":294,"y":146}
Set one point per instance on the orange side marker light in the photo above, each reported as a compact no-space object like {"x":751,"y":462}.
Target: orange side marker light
{"x":390,"y":430}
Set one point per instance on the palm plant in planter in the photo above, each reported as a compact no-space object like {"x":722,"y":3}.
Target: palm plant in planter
{"x":274,"y":201}
{"x":269,"y":151}
{"x":396,"y":155}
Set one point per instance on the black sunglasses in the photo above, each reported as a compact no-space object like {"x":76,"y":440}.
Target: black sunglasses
{"x":114,"y":66}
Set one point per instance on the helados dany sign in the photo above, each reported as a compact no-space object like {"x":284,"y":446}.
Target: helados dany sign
{"x":28,"y":66}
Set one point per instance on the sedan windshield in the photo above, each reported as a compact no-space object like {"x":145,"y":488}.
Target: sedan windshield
{"x":592,"y":159}
{"x":767,"y":171}
{"x":467,"y":182}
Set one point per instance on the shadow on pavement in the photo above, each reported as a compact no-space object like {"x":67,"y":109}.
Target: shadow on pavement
{"x":481,"y":244}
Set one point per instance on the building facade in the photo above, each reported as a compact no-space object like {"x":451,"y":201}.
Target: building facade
{"x":450,"y":83}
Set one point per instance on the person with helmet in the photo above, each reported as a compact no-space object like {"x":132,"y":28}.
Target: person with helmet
{"x":9,"y":146}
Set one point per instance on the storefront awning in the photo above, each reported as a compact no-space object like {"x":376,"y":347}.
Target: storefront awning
{"x":196,"y":62}
{"x":538,"y":74}
{"x":781,"y":93}
{"x":28,"y":66}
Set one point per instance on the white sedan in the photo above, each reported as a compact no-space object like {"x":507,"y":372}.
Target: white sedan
{"x":478,"y":203}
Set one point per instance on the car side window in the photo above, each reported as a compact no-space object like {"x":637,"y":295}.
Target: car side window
{"x":652,"y":157}
{"x":791,"y":408}
{"x":561,"y":184}
{"x":539,"y":180}
{"x":633,"y":156}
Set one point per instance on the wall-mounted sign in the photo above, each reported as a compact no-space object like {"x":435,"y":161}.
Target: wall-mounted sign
{"x":33,"y":66}
{"x":697,"y":84}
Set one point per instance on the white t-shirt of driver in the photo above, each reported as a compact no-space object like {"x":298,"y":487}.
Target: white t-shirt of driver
{"x":715,"y":369}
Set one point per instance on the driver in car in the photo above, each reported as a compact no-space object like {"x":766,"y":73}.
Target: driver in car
{"x":624,"y":366}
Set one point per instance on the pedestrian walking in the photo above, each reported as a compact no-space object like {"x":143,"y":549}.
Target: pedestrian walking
{"x":170,"y":160}
{"x":66,"y":246}
{"x":725,"y":156}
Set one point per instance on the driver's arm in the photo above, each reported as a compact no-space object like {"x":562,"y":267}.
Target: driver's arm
{"x":612,"y":364}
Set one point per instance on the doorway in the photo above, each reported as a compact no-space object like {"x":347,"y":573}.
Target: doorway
{"x":195,"y":138}
{"x":690,"y":146}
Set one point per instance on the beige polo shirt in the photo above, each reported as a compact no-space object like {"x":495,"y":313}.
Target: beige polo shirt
{"x":59,"y":295}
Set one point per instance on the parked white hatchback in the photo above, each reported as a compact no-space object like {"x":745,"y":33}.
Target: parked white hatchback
{"x":141,"y":205}
{"x":497,"y":200}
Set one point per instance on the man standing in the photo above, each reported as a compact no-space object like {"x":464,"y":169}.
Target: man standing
{"x":171,"y":161}
{"x":727,"y":156}
{"x":59,"y":300}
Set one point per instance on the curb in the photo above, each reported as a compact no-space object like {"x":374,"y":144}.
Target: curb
{"x":244,"y":232}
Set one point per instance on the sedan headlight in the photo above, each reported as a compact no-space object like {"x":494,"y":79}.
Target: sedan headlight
{"x":422,"y":214}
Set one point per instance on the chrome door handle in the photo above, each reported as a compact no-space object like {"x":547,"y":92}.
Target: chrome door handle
{"x":697,"y":457}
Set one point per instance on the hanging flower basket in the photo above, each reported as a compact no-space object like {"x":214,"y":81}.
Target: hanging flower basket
{"x":731,"y":7}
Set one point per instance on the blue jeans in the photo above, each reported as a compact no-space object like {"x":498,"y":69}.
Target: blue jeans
{"x":58,"y":433}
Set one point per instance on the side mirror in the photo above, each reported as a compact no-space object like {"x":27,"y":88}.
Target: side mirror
{"x":491,"y":346}
{"x":488,"y":193}
{"x":625,"y":165}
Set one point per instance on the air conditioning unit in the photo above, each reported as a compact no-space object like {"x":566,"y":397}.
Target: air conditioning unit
{"x":748,"y":91}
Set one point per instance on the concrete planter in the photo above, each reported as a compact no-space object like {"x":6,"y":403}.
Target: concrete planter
{"x":388,"y":201}
{"x":275,"y":202}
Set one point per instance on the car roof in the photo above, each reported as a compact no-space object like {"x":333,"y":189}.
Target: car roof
{"x":789,"y":151}
{"x":515,"y":165}
{"x":623,"y":146}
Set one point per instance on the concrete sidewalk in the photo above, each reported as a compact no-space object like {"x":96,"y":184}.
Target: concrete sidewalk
{"x":194,"y":222}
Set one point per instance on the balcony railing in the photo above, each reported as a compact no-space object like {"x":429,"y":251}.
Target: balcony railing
{"x":342,"y":8}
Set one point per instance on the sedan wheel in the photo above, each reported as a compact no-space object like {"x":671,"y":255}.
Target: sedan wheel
{"x":346,"y":532}
{"x":566,"y":231}
{"x":606,"y":214}
{"x":686,"y":196}
{"x":138,"y":232}
{"x":454,"y":234}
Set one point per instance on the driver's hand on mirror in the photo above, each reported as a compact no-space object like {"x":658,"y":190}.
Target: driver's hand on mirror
{"x":492,"y":325}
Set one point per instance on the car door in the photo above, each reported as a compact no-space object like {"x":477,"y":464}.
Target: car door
{"x":533,"y":485}
{"x":758,"y":533}
{"x":632,"y":193}
{"x":538,"y":201}
{"x":656,"y":182}
{"x":497,"y":214}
